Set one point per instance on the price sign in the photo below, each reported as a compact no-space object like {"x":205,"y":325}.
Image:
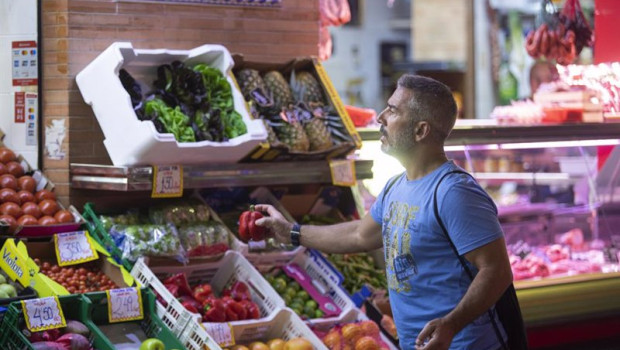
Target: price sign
{"x":167,"y":181}
{"x":343,"y":172}
{"x":43,"y":313}
{"x":74,"y":248}
{"x":124,"y":305}
{"x":222,"y":333}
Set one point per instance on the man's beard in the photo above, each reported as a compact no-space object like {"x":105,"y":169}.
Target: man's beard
{"x":399,"y":143}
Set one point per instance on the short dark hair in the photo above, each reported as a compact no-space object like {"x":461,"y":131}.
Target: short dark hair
{"x":433,"y":102}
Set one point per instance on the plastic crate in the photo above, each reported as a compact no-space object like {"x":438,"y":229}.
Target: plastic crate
{"x":267,"y":259}
{"x":74,"y":307}
{"x":233,"y":267}
{"x":152,"y":325}
{"x":130,"y":141}
{"x":324,"y":274}
{"x":354,"y":315}
{"x":286,"y":325}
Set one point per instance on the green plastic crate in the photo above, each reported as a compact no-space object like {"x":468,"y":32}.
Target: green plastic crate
{"x":102,"y":236}
{"x":90,"y":309}
{"x":74,"y":307}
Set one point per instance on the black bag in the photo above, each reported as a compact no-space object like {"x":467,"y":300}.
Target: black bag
{"x":507,"y":307}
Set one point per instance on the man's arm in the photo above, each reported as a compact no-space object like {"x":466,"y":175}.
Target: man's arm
{"x":494,"y":276}
{"x":348,"y":237}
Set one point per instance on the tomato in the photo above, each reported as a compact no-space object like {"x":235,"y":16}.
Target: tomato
{"x":64,"y":216}
{"x":12,"y":209}
{"x":46,"y":265}
{"x":25,"y":196}
{"x":44,"y":194}
{"x":48,"y":207}
{"x":9,"y":195}
{"x":26,"y":220}
{"x":9,"y":221}
{"x":26,"y":183}
{"x":6,"y":155}
{"x":15,"y":169}
{"x":8,"y":181}
{"x":31,"y":208}
{"x":47,"y":220}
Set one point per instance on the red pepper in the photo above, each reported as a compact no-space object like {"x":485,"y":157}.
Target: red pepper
{"x":190,"y":304}
{"x":180,"y":280}
{"x":238,"y":291}
{"x":248,"y":228}
{"x":173,"y":288}
{"x":202,"y":292}
{"x":253,"y":312}
{"x":234,"y":308}
{"x":214,"y":310}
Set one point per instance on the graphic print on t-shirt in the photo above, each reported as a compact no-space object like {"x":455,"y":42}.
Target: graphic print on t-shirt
{"x":400,"y":263}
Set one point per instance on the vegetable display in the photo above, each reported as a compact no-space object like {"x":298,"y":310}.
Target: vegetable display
{"x":83,"y":279}
{"x":357,"y":270}
{"x":192,"y":103}
{"x":295,"y":297}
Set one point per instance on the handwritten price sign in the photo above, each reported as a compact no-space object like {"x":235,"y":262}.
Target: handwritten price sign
{"x":222,"y":333}
{"x":43,"y":313}
{"x":343,"y":172}
{"x":124,"y":305}
{"x":167,"y":181}
{"x":74,"y":248}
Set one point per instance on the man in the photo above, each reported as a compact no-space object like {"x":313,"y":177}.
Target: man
{"x":434,"y":302}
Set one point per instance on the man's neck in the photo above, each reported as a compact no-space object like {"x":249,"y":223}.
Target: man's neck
{"x":423,"y":163}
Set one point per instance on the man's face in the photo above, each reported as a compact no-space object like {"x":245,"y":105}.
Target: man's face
{"x":397,"y":124}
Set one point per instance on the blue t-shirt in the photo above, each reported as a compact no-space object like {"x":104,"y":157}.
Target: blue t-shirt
{"x":425,"y":278}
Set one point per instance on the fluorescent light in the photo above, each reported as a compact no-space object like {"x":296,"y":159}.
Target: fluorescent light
{"x":522,"y":176}
{"x":555,"y":144}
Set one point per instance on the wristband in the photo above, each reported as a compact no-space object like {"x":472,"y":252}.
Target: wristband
{"x":296,"y":235}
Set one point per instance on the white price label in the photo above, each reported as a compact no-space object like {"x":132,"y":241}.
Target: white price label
{"x":167,"y":181}
{"x":222,"y":333}
{"x":44,"y":313}
{"x":124,"y":305}
{"x":343,"y":172}
{"x":74,"y":248}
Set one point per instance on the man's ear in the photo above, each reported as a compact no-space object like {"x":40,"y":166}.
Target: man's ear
{"x":422,"y":131}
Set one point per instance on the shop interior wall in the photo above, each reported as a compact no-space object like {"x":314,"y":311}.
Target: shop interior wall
{"x":18,"y":22}
{"x":75,"y":32}
{"x":355,"y":65}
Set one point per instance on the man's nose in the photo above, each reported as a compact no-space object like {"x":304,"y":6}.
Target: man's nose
{"x":380,"y":118}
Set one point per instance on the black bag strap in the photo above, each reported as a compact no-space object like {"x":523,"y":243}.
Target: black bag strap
{"x":456,"y":252}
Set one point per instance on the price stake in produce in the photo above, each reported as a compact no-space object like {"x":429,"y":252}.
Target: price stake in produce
{"x":43,"y":313}
{"x":222,"y":333}
{"x":343,"y":172}
{"x":74,"y":248}
{"x":167,"y":181}
{"x":124,"y":305}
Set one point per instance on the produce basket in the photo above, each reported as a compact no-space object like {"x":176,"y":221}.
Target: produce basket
{"x":286,"y":325}
{"x":233,"y":267}
{"x":354,"y":315}
{"x":262,"y":260}
{"x":101,"y":235}
{"x":342,"y":135}
{"x":325,"y":280}
{"x":130,"y":141}
{"x":152,"y":325}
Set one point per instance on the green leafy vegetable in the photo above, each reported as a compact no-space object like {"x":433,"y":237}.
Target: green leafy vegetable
{"x":173,"y":119}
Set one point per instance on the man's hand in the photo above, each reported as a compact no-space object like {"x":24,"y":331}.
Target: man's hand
{"x":436,"y":335}
{"x":275,"y":223}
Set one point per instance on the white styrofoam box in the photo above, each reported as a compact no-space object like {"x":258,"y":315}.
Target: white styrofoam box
{"x":286,"y":325}
{"x":174,"y":315}
{"x":267,"y":259}
{"x":354,"y":315}
{"x":130,"y":141}
{"x":324,"y":279}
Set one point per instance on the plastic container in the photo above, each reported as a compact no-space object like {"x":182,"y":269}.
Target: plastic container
{"x":354,"y":315}
{"x":286,"y":325}
{"x":130,"y":141}
{"x":22,"y":294}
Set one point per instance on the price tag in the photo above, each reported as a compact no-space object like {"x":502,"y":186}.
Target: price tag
{"x":124,"y":305}
{"x":222,"y":333}
{"x":343,"y":172}
{"x":42,"y":314}
{"x":74,"y":248}
{"x":167,"y":181}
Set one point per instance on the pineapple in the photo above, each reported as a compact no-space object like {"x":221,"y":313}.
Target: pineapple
{"x":307,"y":89}
{"x":279,"y":89}
{"x":271,"y":135}
{"x":250,"y":80}
{"x":318,"y":134}
{"x":293,"y":135}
